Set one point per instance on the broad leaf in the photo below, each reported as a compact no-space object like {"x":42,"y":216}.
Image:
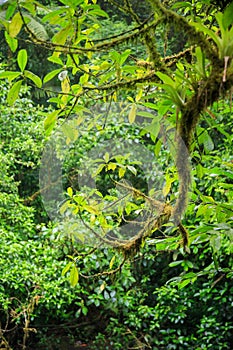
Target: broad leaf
{"x":14,"y":92}
{"x":15,"y":25}
{"x":12,"y":42}
{"x":132,"y":113}
{"x":50,"y":122}
{"x":66,"y":268}
{"x":51,"y":75}
{"x":22,"y":59}
{"x":74,"y":276}
{"x":33,"y":77}
{"x":9,"y":75}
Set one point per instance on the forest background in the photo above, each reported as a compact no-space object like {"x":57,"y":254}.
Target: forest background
{"x":116,"y":175}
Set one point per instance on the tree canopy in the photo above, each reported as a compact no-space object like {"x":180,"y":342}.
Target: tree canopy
{"x":137,"y":131}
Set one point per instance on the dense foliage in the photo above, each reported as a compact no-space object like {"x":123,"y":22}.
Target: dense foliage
{"x":116,"y":190}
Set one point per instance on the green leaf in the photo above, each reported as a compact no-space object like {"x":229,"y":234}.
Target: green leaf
{"x":184,"y":283}
{"x":55,"y":58}
{"x":22,"y":59}
{"x":98,"y":170}
{"x":53,"y":16}
{"x":132,"y":169}
{"x":106,"y":157}
{"x":216,"y":242}
{"x":146,"y":114}
{"x":91,"y":209}
{"x":61,"y":36}
{"x":200,"y":65}
{"x":98,"y":12}
{"x":51,"y":75}
{"x":175,"y":97}
{"x":112,"y":262}
{"x":206,"y":140}
{"x":209,"y":32}
{"x":9,"y":75}
{"x":111,"y":166}
{"x":199,"y":170}
{"x":153,"y":129}
{"x":74,"y":276}
{"x":121,"y":172}
{"x":70,"y":191}
{"x":176,"y":263}
{"x":14,"y":92}
{"x":50,"y":122}
{"x":64,"y":207}
{"x":181,"y":4}
{"x":66,"y":268}
{"x":30,"y":7}
{"x":10,"y":9}
{"x":79,"y":236}
{"x":124,"y":56}
{"x":208,"y":143}
{"x":166,"y":79}
{"x":132,"y":113}
{"x":15,"y":25}
{"x":12,"y":42}
{"x":167,"y":186}
{"x":70,"y":132}
{"x":33,"y":77}
{"x":228,"y":16}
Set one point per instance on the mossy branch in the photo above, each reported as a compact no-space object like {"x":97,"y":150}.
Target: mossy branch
{"x":208,"y":92}
{"x":194,"y":37}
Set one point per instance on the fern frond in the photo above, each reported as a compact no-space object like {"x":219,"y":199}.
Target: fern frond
{"x":36,"y":28}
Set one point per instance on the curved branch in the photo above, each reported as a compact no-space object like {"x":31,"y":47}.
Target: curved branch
{"x":208,"y":92}
{"x":193,"y":35}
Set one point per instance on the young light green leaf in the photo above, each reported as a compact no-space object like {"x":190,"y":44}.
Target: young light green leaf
{"x":70,"y":132}
{"x":70,"y":191}
{"x":106,"y":157}
{"x":132,"y":169}
{"x":50,"y":122}
{"x":167,"y":187}
{"x":184,"y":283}
{"x":153,"y":129}
{"x":61,"y":36}
{"x":121,"y":172}
{"x":112,"y":262}
{"x":33,"y":77}
{"x":22,"y":59}
{"x":175,"y":263}
{"x":79,"y":235}
{"x":74,"y":276}
{"x":55,"y":59}
{"x":14,"y":92}
{"x":124,"y":56}
{"x":165,"y":78}
{"x":200,"y":65}
{"x":15,"y":25}
{"x":64,"y":207}
{"x":173,"y":94}
{"x":66,"y":268}
{"x":9,"y":75}
{"x":12,"y":42}
{"x":98,"y":12}
{"x":51,"y":75}
{"x":132,"y":113}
